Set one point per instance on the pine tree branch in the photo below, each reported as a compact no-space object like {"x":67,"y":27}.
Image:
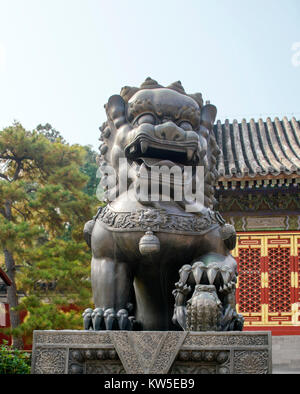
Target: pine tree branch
{"x":4,"y":177}
{"x":18,"y":169}
{"x":7,"y":209}
{"x":7,"y":157}
{"x":23,"y":214}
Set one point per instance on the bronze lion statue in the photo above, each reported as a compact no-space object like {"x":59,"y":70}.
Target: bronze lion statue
{"x":139,"y":245}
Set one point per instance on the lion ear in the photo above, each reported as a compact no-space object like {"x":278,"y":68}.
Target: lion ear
{"x":116,"y":109}
{"x":208,"y":115}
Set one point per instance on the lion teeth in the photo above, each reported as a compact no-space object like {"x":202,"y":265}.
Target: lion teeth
{"x":184,"y":272}
{"x":226,"y":273}
{"x":144,"y":146}
{"x":211,"y":274}
{"x":198,"y":268}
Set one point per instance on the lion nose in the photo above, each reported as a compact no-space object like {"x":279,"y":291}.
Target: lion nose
{"x":170,"y":131}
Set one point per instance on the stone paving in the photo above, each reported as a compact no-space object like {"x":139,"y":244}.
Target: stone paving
{"x":286,"y":354}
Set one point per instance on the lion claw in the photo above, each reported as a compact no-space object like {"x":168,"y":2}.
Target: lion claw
{"x":110,"y":319}
{"x":87,"y":319}
{"x":101,"y":319}
{"x":98,"y":319}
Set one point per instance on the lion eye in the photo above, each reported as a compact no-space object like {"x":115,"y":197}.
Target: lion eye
{"x":185,"y":125}
{"x":146,"y":118}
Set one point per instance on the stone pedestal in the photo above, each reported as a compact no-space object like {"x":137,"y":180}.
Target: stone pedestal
{"x":151,"y":352}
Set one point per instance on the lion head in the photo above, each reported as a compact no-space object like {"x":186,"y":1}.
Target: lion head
{"x":155,"y":125}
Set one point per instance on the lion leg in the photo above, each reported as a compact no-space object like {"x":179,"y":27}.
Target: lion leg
{"x":111,"y":284}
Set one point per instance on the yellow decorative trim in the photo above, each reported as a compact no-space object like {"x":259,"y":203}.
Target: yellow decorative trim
{"x":251,"y":314}
{"x":294,"y":279}
{"x":284,"y":314}
{"x":264,"y":313}
{"x":285,"y":233}
{"x":264,"y":246}
{"x":235,"y":252}
{"x":264,"y":280}
{"x":296,"y":246}
{"x":295,"y":313}
{"x":293,"y":247}
{"x":254,"y":324}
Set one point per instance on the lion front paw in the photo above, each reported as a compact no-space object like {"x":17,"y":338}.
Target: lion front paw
{"x":87,"y":319}
{"x":108,"y":319}
{"x":118,"y":321}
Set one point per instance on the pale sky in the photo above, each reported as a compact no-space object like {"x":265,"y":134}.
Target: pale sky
{"x":60,"y":60}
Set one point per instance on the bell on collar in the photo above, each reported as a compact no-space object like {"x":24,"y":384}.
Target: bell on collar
{"x":149,"y":244}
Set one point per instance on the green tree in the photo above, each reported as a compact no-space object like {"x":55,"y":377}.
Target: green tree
{"x":43,"y":209}
{"x":50,"y":133}
{"x":89,"y":166}
{"x":90,"y":169}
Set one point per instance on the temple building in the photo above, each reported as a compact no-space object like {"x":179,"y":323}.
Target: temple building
{"x":4,"y":308}
{"x":258,"y":192}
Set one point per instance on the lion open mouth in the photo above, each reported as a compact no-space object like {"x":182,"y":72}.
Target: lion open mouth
{"x":162,"y":152}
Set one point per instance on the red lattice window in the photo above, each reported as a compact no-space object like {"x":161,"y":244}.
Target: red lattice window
{"x":279,"y":279}
{"x":249,"y":280}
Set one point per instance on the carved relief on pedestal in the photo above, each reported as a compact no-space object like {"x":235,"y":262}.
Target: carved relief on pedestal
{"x":94,"y":361}
{"x":49,"y":361}
{"x":251,"y":362}
{"x":202,"y":362}
{"x":154,"y":352}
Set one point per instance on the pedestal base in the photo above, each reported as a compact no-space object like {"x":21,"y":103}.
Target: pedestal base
{"x":151,"y":352}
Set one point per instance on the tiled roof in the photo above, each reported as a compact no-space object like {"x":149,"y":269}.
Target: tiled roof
{"x":261,"y":148}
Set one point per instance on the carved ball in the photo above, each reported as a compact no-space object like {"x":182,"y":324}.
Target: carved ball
{"x":209,"y":356}
{"x":223,"y":370}
{"x":184,"y":356}
{"x":112,"y":354}
{"x":76,"y":369}
{"x":89,"y":354}
{"x":222,"y":357}
{"x":76,"y":354}
{"x":196,"y":356}
{"x":101,"y":354}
